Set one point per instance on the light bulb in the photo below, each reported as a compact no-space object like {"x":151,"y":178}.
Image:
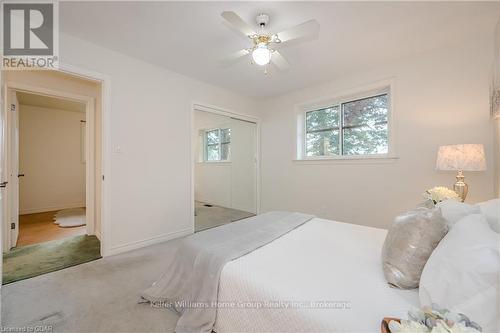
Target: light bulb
{"x":261,"y":55}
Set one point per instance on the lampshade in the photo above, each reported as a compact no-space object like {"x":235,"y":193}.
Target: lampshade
{"x":468,"y":157}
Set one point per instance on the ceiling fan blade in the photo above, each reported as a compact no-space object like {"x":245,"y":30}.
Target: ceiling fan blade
{"x":306,"y":30}
{"x":279,"y":61}
{"x":234,"y":57}
{"x":238,"y":23}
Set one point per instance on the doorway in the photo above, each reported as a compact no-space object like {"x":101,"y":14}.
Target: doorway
{"x":225,"y":152}
{"x":51,"y":172}
{"x":49,"y":152}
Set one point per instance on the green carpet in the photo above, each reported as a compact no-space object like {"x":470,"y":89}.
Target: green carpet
{"x":32,"y":260}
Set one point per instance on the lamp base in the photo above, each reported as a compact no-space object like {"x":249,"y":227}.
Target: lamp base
{"x":460,"y":187}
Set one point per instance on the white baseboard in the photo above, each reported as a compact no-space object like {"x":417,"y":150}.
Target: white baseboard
{"x":51,"y":208}
{"x":97,"y":233}
{"x":146,"y":242}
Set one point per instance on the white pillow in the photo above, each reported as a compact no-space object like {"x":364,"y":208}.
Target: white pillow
{"x":453,"y":211}
{"x":491,"y":210}
{"x":462,"y":273}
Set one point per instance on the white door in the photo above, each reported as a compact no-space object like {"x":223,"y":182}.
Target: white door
{"x":4,"y":177}
{"x":14,"y":167}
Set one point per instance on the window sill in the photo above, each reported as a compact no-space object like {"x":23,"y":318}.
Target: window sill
{"x":370,"y":159}
{"x":221,"y":163}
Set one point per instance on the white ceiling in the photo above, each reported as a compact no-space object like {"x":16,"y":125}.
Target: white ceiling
{"x":25,"y":98}
{"x":190,"y":38}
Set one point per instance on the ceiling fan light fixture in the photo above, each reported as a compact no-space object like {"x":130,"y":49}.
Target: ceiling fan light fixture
{"x":263,"y":50}
{"x":261,"y":55}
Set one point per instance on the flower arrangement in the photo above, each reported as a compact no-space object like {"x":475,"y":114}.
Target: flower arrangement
{"x":434,"y":320}
{"x":440,"y":193}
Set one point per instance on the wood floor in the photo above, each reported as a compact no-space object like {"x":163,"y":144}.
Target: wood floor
{"x":40,"y":227}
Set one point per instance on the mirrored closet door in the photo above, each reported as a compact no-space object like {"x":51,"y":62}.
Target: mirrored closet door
{"x":225,"y":173}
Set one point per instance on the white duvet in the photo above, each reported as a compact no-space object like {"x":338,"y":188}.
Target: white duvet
{"x":324,"y":276}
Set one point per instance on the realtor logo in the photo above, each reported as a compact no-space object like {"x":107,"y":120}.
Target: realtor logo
{"x":29,"y":35}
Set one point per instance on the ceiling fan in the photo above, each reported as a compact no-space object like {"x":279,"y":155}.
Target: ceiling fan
{"x":265,"y":44}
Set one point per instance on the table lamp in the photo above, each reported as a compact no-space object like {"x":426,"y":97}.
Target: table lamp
{"x":460,"y":158}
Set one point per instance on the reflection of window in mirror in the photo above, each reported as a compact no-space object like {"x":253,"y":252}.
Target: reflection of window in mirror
{"x":217,"y":145}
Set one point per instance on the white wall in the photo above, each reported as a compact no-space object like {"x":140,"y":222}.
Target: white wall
{"x":441,"y":97}
{"x":50,"y":144}
{"x":229,"y":184}
{"x":496,"y":139}
{"x":148,"y":184}
{"x":496,"y":122}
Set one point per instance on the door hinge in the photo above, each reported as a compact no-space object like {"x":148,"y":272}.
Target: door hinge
{"x":13,"y":107}
{"x":13,"y":226}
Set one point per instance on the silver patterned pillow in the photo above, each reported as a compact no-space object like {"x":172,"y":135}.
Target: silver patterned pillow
{"x":409,"y":243}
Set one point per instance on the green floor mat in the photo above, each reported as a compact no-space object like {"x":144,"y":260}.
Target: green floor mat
{"x":32,"y":260}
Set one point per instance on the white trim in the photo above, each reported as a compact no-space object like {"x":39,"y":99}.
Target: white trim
{"x":51,"y":208}
{"x":219,"y":163}
{"x":361,"y":159}
{"x":38,"y":90}
{"x":147,"y":242}
{"x":83,"y":142}
{"x":196,"y":106}
{"x":90,"y":166}
{"x":386,"y":86}
{"x":213,"y":109}
{"x":105,"y":82}
{"x":361,"y":92}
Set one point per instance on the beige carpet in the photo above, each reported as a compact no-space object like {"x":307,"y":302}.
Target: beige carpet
{"x":99,"y":296}
{"x":209,"y":217}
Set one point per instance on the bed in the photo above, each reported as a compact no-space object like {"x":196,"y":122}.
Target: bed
{"x":334,"y":265}
{"x":280,"y":272}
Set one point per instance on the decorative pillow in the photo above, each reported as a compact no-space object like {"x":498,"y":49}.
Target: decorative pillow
{"x":453,"y":211}
{"x":462,"y":273}
{"x":491,"y":210}
{"x":408,"y":245}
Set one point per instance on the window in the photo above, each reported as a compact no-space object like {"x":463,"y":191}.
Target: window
{"x":356,"y":127}
{"x":218,"y":144}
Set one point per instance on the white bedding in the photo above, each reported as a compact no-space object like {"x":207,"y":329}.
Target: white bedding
{"x":332,"y":263}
